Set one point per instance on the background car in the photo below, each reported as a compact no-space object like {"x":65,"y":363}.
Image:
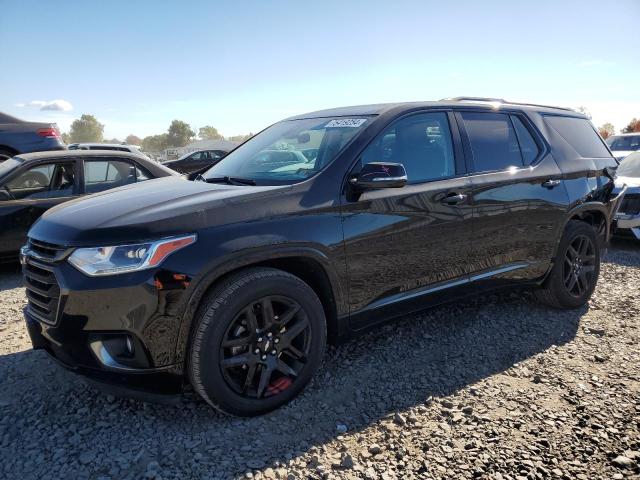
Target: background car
{"x":194,"y":161}
{"x":628,"y":217}
{"x":32,"y":183}
{"x":19,"y":136}
{"x":105,"y":146}
{"x":624,"y":144}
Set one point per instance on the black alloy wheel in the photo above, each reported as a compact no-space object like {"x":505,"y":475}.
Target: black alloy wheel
{"x":574,"y":274}
{"x":579,"y":266}
{"x":258,"y":338}
{"x":265,"y":347}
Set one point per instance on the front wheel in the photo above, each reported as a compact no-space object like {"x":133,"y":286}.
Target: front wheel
{"x":258,"y":339}
{"x":576,"y":268}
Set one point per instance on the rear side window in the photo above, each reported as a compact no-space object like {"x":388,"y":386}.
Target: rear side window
{"x":493,"y":141}
{"x":528,"y":145}
{"x":580,"y":134}
{"x":101,"y":175}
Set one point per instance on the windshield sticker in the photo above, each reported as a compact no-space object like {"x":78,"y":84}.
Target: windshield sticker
{"x":345,"y":122}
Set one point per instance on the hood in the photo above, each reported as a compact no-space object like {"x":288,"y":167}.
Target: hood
{"x":620,"y":154}
{"x":146,"y":211}
{"x":628,"y":181}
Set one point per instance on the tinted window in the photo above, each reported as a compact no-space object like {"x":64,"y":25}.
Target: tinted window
{"x":580,"y":134}
{"x":493,"y":141}
{"x":100,"y":175}
{"x":142,"y":175}
{"x":528,"y":146}
{"x":44,"y":181}
{"x":630,"y":166}
{"x":422,"y":143}
{"x":628,"y":142}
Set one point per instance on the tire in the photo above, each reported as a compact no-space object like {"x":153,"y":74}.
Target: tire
{"x":259,"y":323}
{"x":575,"y":271}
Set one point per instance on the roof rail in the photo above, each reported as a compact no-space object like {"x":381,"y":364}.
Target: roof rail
{"x":501,"y":100}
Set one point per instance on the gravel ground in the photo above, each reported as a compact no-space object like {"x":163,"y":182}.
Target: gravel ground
{"x":497,"y":387}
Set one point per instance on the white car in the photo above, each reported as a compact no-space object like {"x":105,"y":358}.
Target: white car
{"x":624,"y":144}
{"x":628,"y":216}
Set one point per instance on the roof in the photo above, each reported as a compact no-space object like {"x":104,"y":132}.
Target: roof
{"x":625,"y":134}
{"x":31,"y":157}
{"x":381,"y":108}
{"x":225,"y":145}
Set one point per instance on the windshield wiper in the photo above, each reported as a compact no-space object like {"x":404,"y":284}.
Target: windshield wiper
{"x":231,"y":180}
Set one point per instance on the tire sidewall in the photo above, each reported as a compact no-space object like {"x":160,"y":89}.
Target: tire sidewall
{"x":214,"y":319}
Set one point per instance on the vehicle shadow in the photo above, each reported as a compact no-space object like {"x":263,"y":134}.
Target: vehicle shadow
{"x":396,"y":367}
{"x":10,"y":277}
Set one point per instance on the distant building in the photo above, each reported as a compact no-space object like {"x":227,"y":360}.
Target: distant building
{"x":177,"y":152}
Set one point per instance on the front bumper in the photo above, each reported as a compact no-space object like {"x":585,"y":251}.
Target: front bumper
{"x":120,"y":331}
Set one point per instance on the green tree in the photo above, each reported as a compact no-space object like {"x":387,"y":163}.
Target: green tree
{"x":86,"y":129}
{"x":66,"y":138}
{"x":606,"y":130}
{"x":179,"y":134}
{"x":209,"y":133}
{"x":133,"y":140}
{"x":155,"y":143}
{"x":633,"y":127}
{"x":111,"y":140}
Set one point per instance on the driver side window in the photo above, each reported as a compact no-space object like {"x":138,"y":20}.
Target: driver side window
{"x":421,"y":142}
{"x":44,"y":181}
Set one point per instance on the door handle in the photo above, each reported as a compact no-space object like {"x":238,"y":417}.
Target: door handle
{"x":551,"y":183}
{"x":454,"y":199}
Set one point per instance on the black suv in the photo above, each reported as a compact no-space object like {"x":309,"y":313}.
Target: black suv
{"x":234,"y":282}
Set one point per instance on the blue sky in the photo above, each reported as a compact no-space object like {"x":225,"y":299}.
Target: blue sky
{"x":241,"y":66}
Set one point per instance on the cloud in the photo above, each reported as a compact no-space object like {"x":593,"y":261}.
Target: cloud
{"x":52,"y":105}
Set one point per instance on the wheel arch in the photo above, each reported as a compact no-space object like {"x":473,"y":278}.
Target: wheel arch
{"x":309,"y":264}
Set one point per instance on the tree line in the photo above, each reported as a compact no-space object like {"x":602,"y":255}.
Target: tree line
{"x":88,"y":129}
{"x":608,"y":129}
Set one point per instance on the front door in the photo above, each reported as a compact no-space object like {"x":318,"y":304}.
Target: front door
{"x":30,"y":193}
{"x":404,"y":243}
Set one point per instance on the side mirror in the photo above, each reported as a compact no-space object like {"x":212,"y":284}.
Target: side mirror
{"x":380,"y":175}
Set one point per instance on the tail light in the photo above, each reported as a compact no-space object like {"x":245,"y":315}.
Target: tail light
{"x":50,"y":132}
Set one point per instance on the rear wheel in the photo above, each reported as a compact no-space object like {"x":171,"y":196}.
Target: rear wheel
{"x":576,"y":268}
{"x":258,"y":339}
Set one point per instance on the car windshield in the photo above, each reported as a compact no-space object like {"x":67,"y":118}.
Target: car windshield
{"x":630,"y":166}
{"x":288,"y":152}
{"x":7,"y":166}
{"x":627,"y":142}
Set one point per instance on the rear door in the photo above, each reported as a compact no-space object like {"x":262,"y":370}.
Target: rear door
{"x":518,"y":197}
{"x":100,"y":174}
{"x":403,"y":244}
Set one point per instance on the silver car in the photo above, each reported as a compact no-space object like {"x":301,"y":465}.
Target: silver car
{"x":628,"y":217}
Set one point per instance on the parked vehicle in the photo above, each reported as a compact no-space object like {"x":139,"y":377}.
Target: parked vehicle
{"x":628,"y":217}
{"x":19,"y":136}
{"x":624,"y":144}
{"x":234,"y":283}
{"x":32,"y":183}
{"x":106,"y":146}
{"x":194,"y":161}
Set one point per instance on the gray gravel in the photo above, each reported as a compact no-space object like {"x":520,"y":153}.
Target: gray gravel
{"x":497,"y":387}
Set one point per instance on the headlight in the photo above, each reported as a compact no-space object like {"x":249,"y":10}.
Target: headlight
{"x":112,"y":260}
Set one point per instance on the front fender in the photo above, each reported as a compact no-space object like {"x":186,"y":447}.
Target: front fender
{"x":245,"y":259}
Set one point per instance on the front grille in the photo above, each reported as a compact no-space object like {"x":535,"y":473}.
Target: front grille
{"x":41,"y":284}
{"x":47,"y":252}
{"x":630,"y":204}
